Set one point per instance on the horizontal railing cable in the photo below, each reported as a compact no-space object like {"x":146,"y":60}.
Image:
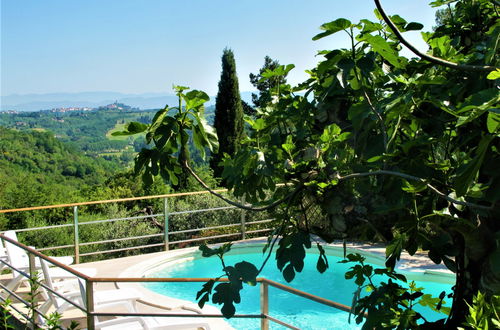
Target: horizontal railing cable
{"x":274,"y":284}
{"x":120,"y":219}
{"x":122,"y":249}
{"x":258,"y":231}
{"x":55,"y":247}
{"x":62,"y":297}
{"x":177,"y":315}
{"x":49,"y":259}
{"x":309,"y":296}
{"x":204,"y":228}
{"x":15,"y":295}
{"x":15,"y":269}
{"x":155,"y":235}
{"x":260,"y":221}
{"x":129,"y":199}
{"x":204,"y":238}
{"x":28,"y":318}
{"x":41,"y":228}
{"x":21,"y":300}
{"x":120,"y":239}
{"x":202,"y":210}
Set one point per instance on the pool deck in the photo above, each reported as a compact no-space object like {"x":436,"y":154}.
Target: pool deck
{"x":155,"y":303}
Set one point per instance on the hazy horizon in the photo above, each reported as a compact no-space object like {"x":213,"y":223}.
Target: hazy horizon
{"x":47,"y":101}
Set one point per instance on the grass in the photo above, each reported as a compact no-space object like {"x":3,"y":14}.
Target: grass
{"x":121,"y":127}
{"x":118,"y":127}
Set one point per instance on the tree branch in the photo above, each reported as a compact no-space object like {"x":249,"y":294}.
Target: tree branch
{"x":379,"y":116}
{"x":372,"y":107}
{"x":414,"y":178}
{"x":430,"y":58}
{"x":239,"y":205}
{"x":339,"y":178}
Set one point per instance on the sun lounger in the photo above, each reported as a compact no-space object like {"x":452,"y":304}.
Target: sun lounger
{"x":111,"y":299}
{"x":73,"y":289}
{"x":18,"y":259}
{"x":3,"y":256}
{"x":152,"y":323}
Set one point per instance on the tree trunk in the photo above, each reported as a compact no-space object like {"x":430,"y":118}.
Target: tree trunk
{"x":184,"y":175}
{"x":466,"y":286}
{"x":474,"y":273}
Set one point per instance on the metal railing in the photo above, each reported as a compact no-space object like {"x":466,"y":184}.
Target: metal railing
{"x":91,"y":313}
{"x":243,"y":226}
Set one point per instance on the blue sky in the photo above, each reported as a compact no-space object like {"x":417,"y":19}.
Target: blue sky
{"x":134,"y":46}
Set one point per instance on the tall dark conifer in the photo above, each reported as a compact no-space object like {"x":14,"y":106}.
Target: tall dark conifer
{"x":228,"y":112}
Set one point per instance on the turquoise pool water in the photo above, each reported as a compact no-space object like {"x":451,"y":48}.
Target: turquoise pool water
{"x":292,"y":309}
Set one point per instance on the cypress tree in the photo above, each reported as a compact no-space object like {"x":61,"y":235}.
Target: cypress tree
{"x":228,"y":112}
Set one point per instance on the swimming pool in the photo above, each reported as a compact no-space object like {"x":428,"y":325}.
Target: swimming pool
{"x":292,"y":309}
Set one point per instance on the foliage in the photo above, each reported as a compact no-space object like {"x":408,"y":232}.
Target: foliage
{"x":32,"y":299}
{"x":248,"y":110}
{"x":265,"y":86}
{"x":227,"y":293}
{"x":5,"y":314}
{"x":389,"y":304}
{"x":51,"y":321}
{"x":169,"y":135}
{"x":484,"y":313}
{"x":228,"y":112}
{"x":37,"y":169}
{"x":41,"y":153}
{"x":379,"y":144}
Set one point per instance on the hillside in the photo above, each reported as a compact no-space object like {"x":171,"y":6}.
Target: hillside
{"x":88,"y":131}
{"x":56,"y":157}
{"x":36,"y":168}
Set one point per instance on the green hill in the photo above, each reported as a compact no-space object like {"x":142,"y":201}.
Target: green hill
{"x":36,"y":168}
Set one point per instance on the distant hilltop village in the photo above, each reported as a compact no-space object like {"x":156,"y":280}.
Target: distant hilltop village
{"x":116,"y":106}
{"x":113,"y":106}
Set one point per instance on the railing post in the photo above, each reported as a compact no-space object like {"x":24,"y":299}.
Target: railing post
{"x":243,"y":222}
{"x":165,"y":222}
{"x":33,"y":280}
{"x":264,"y":305}
{"x":89,"y":292}
{"x":76,"y":235}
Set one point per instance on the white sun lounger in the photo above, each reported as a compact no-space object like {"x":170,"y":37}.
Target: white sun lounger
{"x":73,"y":289}
{"x":152,"y":323}
{"x":18,"y":258}
{"x":3,"y":255}
{"x":124,"y":298}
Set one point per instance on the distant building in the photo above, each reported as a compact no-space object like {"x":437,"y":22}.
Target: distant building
{"x":71,"y":109}
{"x":116,"y":106}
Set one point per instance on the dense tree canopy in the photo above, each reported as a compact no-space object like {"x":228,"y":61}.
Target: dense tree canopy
{"x":379,"y":145}
{"x":264,"y":86}
{"x":37,"y":169}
